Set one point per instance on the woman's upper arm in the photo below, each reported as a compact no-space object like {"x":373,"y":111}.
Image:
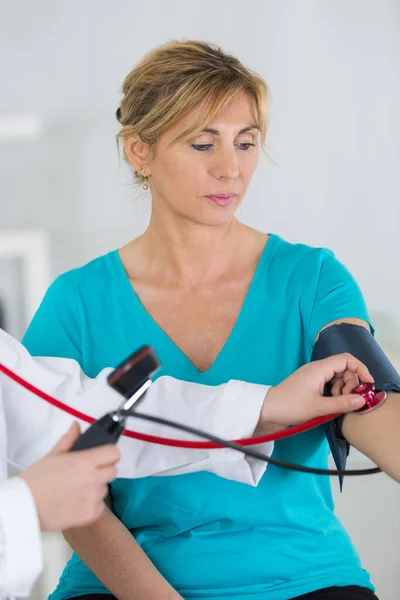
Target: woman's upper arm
{"x":340,"y":300}
{"x":334,"y":297}
{"x":55,"y":329}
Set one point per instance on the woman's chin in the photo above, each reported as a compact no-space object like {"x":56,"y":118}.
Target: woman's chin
{"x":213,"y":218}
{"x":213,"y":215}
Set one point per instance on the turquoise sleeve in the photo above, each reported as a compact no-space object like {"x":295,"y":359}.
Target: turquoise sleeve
{"x":55,"y":329}
{"x":336,"y":295}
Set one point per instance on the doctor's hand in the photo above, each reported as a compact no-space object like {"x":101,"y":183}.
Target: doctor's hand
{"x":299,"y":398}
{"x":69,"y":487}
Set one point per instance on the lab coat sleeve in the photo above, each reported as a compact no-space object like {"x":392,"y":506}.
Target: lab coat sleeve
{"x":231,"y":410}
{"x":20,"y":543}
{"x":33,"y":426}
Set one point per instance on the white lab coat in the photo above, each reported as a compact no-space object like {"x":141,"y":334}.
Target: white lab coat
{"x":33,"y":426}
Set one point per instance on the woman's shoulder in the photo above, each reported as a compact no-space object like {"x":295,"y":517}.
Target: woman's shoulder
{"x":91,"y":275}
{"x":297,"y":255}
{"x":89,"y":284}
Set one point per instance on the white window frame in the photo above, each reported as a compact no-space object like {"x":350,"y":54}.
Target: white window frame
{"x":32,"y":249}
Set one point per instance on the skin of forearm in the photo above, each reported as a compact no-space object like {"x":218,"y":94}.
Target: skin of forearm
{"x":109,"y":549}
{"x":377,"y":435}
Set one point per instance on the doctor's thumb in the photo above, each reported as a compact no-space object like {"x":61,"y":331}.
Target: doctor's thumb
{"x":67,"y":440}
{"x":344,"y":403}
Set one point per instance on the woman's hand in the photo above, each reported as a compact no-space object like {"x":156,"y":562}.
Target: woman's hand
{"x":299,"y":398}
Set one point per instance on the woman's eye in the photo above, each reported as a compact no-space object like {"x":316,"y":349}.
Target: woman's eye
{"x":201,"y":147}
{"x":205,"y":147}
{"x":245,"y":145}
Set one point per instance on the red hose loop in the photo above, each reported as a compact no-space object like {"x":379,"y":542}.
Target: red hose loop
{"x":164,"y":441}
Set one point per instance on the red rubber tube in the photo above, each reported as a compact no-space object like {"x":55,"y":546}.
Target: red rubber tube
{"x":164,"y":441}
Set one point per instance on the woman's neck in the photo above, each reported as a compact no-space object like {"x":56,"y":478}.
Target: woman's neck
{"x":188,"y":254}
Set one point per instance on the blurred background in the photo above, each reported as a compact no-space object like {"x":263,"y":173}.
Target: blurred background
{"x":333,"y":68}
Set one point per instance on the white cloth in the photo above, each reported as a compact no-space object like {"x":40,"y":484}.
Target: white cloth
{"x":34,"y":426}
{"x":20,"y":545}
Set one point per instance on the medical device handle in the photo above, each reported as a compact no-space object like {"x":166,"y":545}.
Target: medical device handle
{"x":105,"y":430}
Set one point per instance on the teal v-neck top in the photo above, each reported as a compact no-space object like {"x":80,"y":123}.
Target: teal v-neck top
{"x":210,"y":537}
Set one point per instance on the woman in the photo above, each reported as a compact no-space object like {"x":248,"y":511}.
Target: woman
{"x":217,"y":300}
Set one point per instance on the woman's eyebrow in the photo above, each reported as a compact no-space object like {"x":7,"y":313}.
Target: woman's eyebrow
{"x":216,"y":132}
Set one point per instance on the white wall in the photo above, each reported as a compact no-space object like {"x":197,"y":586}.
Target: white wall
{"x":333,"y":67}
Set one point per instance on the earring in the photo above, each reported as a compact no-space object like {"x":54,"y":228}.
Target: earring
{"x":145,"y":185}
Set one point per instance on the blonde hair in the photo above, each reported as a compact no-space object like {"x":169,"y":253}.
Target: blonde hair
{"x":176,"y":78}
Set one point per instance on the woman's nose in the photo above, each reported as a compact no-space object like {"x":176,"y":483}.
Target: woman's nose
{"x":225,"y":165}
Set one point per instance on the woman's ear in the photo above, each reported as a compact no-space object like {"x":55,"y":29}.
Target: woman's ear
{"x":137,"y":153}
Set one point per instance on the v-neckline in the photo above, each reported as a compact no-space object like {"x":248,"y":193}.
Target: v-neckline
{"x":153,"y":324}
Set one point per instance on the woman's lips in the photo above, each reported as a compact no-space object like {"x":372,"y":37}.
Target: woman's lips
{"x":221,"y":199}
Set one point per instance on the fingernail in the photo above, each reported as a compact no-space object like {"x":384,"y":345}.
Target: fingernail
{"x":357,"y":401}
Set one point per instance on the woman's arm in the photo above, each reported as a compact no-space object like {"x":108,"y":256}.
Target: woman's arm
{"x":112,"y":553}
{"x":376,"y":434}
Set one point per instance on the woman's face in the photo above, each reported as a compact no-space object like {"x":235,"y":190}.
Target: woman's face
{"x":204,"y":179}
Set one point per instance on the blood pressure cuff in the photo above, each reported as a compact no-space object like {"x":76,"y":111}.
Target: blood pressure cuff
{"x":359,"y":342}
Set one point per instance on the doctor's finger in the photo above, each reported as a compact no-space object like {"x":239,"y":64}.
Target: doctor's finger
{"x":101,"y":456}
{"x":338,"y":364}
{"x":67,"y":440}
{"x":106,"y":474}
